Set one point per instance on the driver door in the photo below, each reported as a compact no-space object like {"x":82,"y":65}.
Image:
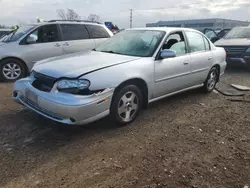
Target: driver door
{"x":48,"y":44}
{"x":173,"y":74}
{"x":211,"y":35}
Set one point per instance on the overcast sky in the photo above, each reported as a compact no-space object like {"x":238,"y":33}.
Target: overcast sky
{"x":145,"y":11}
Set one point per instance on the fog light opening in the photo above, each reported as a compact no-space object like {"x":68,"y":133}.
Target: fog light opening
{"x":73,"y":120}
{"x":15,"y":94}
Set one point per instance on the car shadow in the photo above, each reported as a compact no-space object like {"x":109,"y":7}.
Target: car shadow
{"x":237,"y":70}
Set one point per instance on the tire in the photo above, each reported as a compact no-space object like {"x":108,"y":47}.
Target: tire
{"x":211,"y":81}
{"x":129,"y":100}
{"x":11,"y":69}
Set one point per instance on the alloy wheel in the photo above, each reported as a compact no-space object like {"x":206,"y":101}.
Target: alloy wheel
{"x":212,"y":80}
{"x":128,"y":106}
{"x":11,"y":71}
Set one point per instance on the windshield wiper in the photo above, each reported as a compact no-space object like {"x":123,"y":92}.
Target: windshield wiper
{"x":110,"y":51}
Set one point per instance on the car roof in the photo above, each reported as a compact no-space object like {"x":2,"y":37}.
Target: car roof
{"x":68,"y":22}
{"x":166,"y":29}
{"x":63,"y":22}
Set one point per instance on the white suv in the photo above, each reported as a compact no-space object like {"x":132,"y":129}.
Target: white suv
{"x":23,"y":47}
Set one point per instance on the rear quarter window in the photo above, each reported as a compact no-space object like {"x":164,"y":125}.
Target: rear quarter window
{"x":97,"y":31}
{"x":207,"y":44}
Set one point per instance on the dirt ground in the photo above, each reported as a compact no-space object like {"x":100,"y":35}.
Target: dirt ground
{"x":189,"y":140}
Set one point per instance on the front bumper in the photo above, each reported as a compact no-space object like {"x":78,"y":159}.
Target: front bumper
{"x":62,"y":107}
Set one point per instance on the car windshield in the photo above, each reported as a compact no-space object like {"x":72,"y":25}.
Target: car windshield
{"x":17,"y":34}
{"x":141,"y":43}
{"x":2,"y":33}
{"x":240,"y":32}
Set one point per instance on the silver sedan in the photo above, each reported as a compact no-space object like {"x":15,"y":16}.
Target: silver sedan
{"x":122,"y":75}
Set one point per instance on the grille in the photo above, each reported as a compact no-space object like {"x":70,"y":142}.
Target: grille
{"x":35,"y":106}
{"x":43,"y":82}
{"x":234,"y":51}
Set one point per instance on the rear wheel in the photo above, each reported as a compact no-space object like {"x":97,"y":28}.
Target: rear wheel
{"x":126,"y":105}
{"x":211,"y":81}
{"x":11,"y":69}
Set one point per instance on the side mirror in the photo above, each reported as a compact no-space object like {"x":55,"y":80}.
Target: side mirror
{"x":167,"y":54}
{"x":31,"y":39}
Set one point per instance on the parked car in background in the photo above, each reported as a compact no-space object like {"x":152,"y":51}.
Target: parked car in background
{"x":215,"y":35}
{"x":237,"y":46}
{"x":4,"y":32}
{"x":122,"y":75}
{"x":29,"y":44}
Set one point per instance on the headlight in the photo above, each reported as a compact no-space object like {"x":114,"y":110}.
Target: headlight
{"x":248,"y":50}
{"x":72,"y":85}
{"x":32,"y":76}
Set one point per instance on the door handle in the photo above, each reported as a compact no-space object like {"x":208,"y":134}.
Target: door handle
{"x":210,"y":58}
{"x":57,"y":45}
{"x":66,"y":44}
{"x":185,"y":63}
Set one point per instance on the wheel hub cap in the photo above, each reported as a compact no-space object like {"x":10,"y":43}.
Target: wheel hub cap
{"x":128,"y":106}
{"x":11,"y":71}
{"x":212,"y":80}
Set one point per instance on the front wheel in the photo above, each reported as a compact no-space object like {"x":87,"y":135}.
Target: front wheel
{"x":211,"y":81}
{"x":11,"y":69}
{"x":126,"y":105}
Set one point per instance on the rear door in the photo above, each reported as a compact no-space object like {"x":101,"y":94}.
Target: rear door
{"x":76,"y":38}
{"x":201,"y":56}
{"x":99,"y":33}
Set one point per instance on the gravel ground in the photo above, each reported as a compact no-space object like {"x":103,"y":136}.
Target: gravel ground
{"x":189,"y":140}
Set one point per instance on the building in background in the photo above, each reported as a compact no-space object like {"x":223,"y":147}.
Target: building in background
{"x":201,"y":24}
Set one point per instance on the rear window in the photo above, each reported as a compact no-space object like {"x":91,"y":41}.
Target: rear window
{"x":74,"y":32}
{"x":98,"y":31}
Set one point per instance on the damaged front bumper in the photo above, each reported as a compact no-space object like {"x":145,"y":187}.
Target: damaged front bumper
{"x":63,"y":107}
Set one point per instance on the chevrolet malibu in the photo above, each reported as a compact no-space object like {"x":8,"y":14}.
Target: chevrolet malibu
{"x":121,"y":76}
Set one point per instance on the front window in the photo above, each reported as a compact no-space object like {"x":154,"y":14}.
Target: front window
{"x":17,"y":34}
{"x":238,"y":32}
{"x":141,"y":43}
{"x":45,"y":34}
{"x":176,"y":42}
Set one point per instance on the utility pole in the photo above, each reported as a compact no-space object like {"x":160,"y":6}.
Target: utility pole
{"x":131,"y":17}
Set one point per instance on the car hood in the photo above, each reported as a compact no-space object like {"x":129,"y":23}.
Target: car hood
{"x":233,"y":42}
{"x":1,"y":43}
{"x":77,"y":64}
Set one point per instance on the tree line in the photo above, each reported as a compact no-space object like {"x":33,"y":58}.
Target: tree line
{"x":70,"y":14}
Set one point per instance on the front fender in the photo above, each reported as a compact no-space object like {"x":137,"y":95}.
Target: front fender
{"x":11,"y":51}
{"x":112,"y":77}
